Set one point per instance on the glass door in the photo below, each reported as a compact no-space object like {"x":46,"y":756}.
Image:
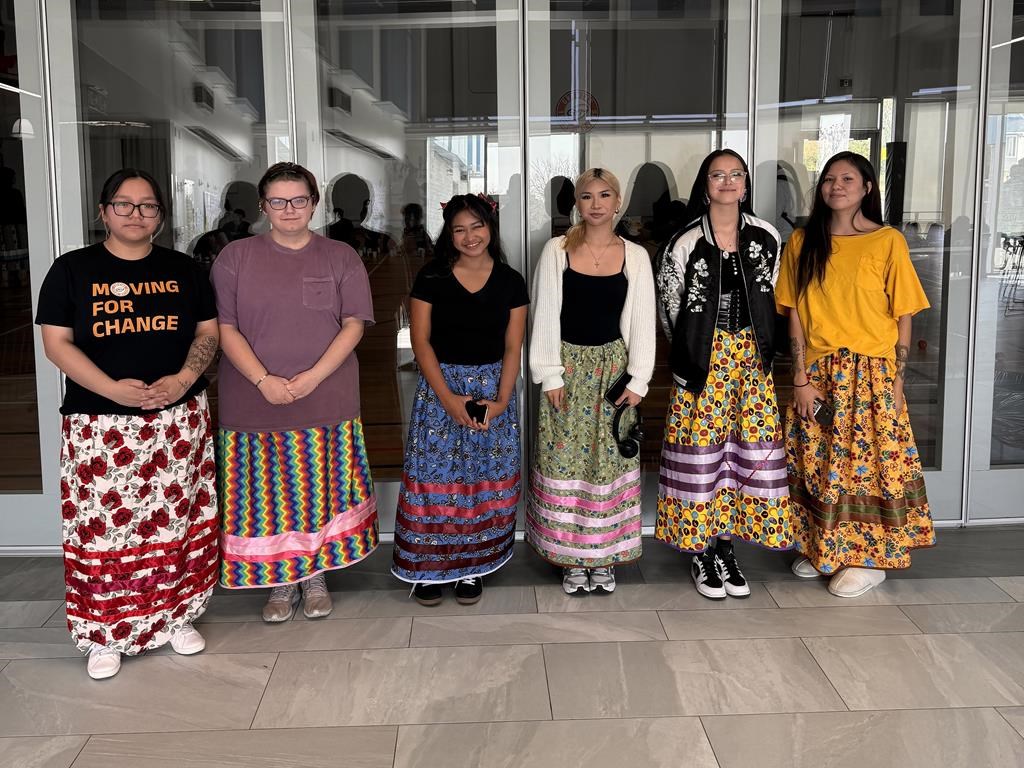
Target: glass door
{"x":909,"y":106}
{"x":603,"y":91}
{"x":28,"y":382}
{"x":997,"y":439}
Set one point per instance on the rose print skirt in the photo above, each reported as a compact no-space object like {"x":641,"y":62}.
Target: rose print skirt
{"x":460,"y":486}
{"x":857,"y":488}
{"x":584,"y":507}
{"x":723,"y":464}
{"x":294,"y":504}
{"x":139,"y":524}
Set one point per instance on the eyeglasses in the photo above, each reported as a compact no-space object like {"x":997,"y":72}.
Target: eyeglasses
{"x":280,"y":203}
{"x":719,"y":177}
{"x":146,"y":210}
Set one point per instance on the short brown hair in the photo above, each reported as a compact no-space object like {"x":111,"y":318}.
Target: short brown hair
{"x":289,"y":172}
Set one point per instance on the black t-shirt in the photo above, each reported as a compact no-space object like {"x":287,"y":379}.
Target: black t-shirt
{"x":469,"y":328}
{"x":133,"y":319}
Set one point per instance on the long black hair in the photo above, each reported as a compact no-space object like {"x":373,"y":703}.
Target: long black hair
{"x":817,"y":245}
{"x":117,"y":178}
{"x":482,"y":208}
{"x":698,"y":203}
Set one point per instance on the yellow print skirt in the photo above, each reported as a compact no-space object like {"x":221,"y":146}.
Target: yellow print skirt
{"x":857,"y":488}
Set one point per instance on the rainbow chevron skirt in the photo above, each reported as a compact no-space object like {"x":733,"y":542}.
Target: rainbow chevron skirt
{"x":294,"y":504}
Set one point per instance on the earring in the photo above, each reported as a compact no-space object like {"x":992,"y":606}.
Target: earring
{"x":707,"y":200}
{"x":742,"y":199}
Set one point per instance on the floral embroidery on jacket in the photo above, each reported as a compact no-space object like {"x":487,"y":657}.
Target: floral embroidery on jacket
{"x":696,"y":293}
{"x":762,"y":266}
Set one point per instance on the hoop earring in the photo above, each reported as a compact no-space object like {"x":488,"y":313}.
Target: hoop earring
{"x":707,"y":200}
{"x":744,"y":198}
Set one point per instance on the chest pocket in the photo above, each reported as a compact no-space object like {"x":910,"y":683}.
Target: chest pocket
{"x":318,"y":292}
{"x":870,"y":273}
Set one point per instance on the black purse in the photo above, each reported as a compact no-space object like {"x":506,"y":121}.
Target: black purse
{"x":629,"y":446}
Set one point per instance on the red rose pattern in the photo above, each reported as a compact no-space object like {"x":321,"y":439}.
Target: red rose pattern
{"x":109,"y":503}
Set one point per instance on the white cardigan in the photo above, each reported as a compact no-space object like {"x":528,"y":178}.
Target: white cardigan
{"x":637,"y":322}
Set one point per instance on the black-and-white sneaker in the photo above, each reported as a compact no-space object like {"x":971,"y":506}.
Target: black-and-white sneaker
{"x":730,"y":574}
{"x":706,"y":578}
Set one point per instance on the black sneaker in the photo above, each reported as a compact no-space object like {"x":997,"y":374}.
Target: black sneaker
{"x":469,"y":591}
{"x":427,"y":594}
{"x":706,"y":578}
{"x":729,"y":572}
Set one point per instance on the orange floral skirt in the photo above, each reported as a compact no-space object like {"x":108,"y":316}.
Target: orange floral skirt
{"x":856,"y":488}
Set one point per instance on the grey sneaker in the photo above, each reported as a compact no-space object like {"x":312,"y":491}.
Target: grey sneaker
{"x":602,"y":579}
{"x":316,"y":600}
{"x":281,"y":605}
{"x":575,"y":581}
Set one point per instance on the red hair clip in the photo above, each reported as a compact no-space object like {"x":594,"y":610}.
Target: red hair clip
{"x":443,"y":206}
{"x":489,"y":201}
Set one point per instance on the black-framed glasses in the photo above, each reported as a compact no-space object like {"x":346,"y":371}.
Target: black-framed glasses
{"x":719,"y":177}
{"x":146,"y":210}
{"x":280,"y":203}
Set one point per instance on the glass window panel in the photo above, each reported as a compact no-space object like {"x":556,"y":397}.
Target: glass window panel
{"x":423,"y":104}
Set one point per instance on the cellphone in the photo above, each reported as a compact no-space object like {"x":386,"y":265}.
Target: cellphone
{"x":477,"y":411}
{"x":616,"y":389}
{"x":824,"y":413}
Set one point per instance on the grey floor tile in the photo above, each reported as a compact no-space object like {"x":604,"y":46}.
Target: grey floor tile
{"x":40,"y":751}
{"x":380,"y":603}
{"x":985,"y":617}
{"x":257,"y":636}
{"x":976,"y":551}
{"x":1015,"y":717}
{"x":1013,"y":585}
{"x":786,"y":622}
{"x":159,"y":693}
{"x":281,"y":748}
{"x":814,"y":593}
{"x":27,"y":613}
{"x":237,"y":605}
{"x":32,"y":578}
{"x":646,"y":597}
{"x":662,"y":563}
{"x":524,"y":629}
{"x":597,"y":680}
{"x":59,"y":618}
{"x":39,"y":643}
{"x":921,"y":671}
{"x":950,"y":738}
{"x":667,"y":742}
{"x":417,"y":685}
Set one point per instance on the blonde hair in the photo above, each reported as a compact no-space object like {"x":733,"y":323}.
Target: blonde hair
{"x":574,"y":237}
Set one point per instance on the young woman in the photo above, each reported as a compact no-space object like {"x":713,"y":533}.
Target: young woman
{"x":296,"y":495}
{"x":593,"y":325}
{"x":133,"y":326}
{"x":723,"y":466}
{"x":854,"y":473}
{"x":460,"y":485}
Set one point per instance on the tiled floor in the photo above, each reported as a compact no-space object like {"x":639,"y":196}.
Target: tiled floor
{"x":927,"y":671}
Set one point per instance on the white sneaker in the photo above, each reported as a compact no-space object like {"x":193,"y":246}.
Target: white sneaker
{"x":281,"y":605}
{"x":602,"y":579}
{"x":103,"y":662}
{"x":802,"y":567}
{"x":575,"y":581}
{"x":187,"y":640}
{"x":854,"y":582}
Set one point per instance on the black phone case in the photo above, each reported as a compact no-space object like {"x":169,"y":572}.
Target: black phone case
{"x":618,"y":386}
{"x":477,"y":411}
{"x":824,"y":413}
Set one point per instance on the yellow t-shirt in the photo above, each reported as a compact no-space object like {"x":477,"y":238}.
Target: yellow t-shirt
{"x":869,"y":284}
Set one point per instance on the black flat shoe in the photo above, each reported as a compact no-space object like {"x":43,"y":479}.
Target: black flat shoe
{"x":427,"y":594}
{"x":469,"y":591}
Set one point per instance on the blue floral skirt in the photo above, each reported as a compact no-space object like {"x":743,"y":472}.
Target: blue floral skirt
{"x":460,"y":486}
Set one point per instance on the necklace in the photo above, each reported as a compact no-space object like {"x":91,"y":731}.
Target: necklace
{"x":726,"y":244}
{"x":604,"y":250}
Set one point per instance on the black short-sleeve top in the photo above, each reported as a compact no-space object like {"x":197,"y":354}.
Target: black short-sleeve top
{"x":133,"y":319}
{"x":469,"y":328}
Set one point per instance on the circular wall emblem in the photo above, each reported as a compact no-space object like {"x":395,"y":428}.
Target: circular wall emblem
{"x":119,"y":289}
{"x":579,"y":106}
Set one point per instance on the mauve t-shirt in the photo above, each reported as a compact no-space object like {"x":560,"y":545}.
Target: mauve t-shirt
{"x":289,"y":305}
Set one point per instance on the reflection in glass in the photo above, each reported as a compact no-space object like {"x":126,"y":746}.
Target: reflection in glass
{"x":422,"y":104}
{"x":19,"y":425}
{"x":909,"y":108}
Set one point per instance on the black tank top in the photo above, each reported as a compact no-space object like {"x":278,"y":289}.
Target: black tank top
{"x":592,"y":306}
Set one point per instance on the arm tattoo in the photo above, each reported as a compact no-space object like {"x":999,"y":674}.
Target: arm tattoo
{"x":902,"y":355}
{"x":200,"y":354}
{"x":797,"y":349}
